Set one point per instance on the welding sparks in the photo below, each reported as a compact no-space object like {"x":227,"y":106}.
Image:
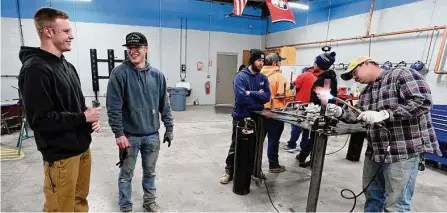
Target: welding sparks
{"x":324,"y":94}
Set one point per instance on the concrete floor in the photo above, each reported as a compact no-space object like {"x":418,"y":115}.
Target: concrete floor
{"x":188,"y":174}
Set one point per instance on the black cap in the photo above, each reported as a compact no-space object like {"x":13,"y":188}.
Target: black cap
{"x":325,"y":60}
{"x":256,"y":54}
{"x":135,"y":38}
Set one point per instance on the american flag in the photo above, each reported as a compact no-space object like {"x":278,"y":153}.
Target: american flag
{"x":239,"y":6}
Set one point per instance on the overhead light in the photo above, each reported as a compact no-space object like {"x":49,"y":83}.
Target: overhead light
{"x":298,"y":5}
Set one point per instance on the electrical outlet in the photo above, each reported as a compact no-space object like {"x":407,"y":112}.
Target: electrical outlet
{"x":208,"y":76}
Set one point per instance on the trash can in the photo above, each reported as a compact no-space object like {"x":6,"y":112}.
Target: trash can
{"x":178,"y":98}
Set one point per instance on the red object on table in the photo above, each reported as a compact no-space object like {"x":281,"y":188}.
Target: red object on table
{"x":342,"y":90}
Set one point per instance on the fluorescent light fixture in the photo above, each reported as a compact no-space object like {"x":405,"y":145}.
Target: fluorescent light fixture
{"x":298,"y":5}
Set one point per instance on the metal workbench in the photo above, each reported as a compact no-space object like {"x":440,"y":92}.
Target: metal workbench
{"x":319,"y":149}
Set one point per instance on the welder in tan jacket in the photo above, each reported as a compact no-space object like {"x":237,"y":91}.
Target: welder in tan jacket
{"x":280,"y":95}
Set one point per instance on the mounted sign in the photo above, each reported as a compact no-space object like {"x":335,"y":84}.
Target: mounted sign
{"x":280,"y":11}
{"x":199,"y":66}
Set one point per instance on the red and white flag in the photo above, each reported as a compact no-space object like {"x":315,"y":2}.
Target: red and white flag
{"x":239,"y":6}
{"x":280,"y":11}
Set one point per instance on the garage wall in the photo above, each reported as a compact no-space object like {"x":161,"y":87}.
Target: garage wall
{"x":103,"y":24}
{"x":409,"y":47}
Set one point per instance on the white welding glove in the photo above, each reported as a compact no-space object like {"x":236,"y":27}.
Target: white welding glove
{"x":372,"y":117}
{"x":312,"y":108}
{"x":333,"y":110}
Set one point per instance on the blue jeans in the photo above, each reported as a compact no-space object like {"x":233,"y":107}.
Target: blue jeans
{"x":295,"y":134}
{"x":274,"y":131}
{"x":149,"y":147}
{"x":306,"y":148}
{"x":392,"y":189}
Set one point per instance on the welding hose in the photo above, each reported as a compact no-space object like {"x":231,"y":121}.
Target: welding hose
{"x":262,"y":174}
{"x":354,"y":196}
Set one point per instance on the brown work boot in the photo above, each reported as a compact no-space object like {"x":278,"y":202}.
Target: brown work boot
{"x":152,"y":207}
{"x":278,"y":169}
{"x":226,"y":178}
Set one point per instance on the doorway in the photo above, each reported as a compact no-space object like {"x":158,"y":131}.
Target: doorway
{"x":226,"y":70}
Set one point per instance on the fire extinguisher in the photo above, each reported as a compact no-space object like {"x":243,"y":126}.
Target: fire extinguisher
{"x":207,"y":87}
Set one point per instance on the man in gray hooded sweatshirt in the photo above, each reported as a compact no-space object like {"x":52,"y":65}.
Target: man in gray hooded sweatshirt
{"x":136,"y":97}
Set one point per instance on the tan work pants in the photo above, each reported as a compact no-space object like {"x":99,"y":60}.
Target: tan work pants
{"x":67,"y":184}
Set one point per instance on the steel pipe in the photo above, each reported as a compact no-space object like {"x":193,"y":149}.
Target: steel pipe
{"x":440,"y":53}
{"x":363,"y":37}
{"x":368,"y":28}
{"x":317,"y":158}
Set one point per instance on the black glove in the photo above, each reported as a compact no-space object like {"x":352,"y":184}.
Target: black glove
{"x":169,"y":136}
{"x":123,"y":156}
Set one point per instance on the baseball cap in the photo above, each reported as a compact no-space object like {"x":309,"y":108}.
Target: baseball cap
{"x":135,"y":38}
{"x":347,"y":75}
{"x":272,"y":57}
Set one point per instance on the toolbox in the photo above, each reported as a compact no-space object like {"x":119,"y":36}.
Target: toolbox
{"x":439,"y":118}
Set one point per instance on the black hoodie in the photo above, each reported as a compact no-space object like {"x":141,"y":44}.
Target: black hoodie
{"x":329,"y":74}
{"x":54,"y":104}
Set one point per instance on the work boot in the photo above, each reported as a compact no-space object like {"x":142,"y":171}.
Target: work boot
{"x":304,"y":164}
{"x":126,"y":210}
{"x":277,"y":169}
{"x":226,"y":178}
{"x":152,"y":207}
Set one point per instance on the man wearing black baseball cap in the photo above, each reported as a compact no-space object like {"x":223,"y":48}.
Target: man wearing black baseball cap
{"x":136,"y":95}
{"x":135,"y":39}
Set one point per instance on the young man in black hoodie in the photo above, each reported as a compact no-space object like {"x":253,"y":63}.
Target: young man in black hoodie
{"x":324,"y":62}
{"x":56,"y":111}
{"x":136,"y":99}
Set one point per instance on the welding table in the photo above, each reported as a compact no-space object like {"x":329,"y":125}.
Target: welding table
{"x":318,"y":153}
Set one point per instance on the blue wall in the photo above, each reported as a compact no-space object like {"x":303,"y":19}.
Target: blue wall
{"x":146,"y":13}
{"x":318,"y":12}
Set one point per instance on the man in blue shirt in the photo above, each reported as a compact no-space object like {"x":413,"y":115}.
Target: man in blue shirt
{"x":251,"y":92}
{"x":136,"y":100}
